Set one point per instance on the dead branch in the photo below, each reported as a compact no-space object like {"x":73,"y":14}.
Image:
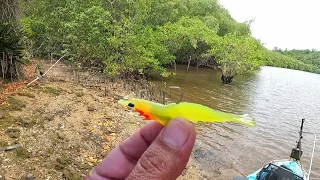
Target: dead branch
{"x":9,"y":148}
{"x":29,"y":84}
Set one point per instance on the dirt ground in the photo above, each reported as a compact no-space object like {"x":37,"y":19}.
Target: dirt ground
{"x":68,"y":123}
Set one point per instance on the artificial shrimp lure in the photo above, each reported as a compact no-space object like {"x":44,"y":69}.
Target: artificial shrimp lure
{"x":190,"y":111}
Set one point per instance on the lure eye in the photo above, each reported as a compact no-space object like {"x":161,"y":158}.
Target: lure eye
{"x":131,"y":105}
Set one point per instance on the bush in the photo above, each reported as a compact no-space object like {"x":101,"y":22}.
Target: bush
{"x":11,"y":50}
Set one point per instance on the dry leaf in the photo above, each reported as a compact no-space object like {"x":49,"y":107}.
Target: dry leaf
{"x":36,"y":159}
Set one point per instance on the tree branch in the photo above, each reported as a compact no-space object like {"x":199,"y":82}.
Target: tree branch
{"x":45,"y":72}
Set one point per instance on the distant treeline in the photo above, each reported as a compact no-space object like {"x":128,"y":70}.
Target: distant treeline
{"x":306,"y":60}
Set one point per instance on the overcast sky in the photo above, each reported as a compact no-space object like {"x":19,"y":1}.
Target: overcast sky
{"x":292,"y":24}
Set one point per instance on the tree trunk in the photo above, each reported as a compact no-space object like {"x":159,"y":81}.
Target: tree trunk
{"x":189,"y":63}
{"x":226,"y":79}
{"x":9,"y":9}
{"x":227,"y":75}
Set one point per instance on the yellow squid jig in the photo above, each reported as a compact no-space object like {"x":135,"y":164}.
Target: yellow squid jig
{"x":190,"y":111}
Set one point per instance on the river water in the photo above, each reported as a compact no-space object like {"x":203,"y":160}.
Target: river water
{"x":277,"y":98}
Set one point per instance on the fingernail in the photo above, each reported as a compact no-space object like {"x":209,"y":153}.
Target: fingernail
{"x":176,"y":133}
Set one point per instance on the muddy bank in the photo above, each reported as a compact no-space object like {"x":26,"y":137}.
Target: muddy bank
{"x":63,"y":129}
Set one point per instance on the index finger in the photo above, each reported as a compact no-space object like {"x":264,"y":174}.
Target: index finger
{"x":121,"y":161}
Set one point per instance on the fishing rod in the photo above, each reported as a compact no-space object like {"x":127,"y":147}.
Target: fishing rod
{"x":296,"y":152}
{"x":314,"y":145}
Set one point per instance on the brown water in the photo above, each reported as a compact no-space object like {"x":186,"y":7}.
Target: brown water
{"x":277,"y":98}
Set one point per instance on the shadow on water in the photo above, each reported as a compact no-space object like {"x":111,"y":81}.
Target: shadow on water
{"x":277,"y":98}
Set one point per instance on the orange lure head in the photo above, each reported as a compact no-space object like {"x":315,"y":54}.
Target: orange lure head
{"x":143,"y":107}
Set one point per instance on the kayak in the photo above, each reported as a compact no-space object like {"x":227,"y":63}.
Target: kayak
{"x":285,"y":169}
{"x":288,"y":169}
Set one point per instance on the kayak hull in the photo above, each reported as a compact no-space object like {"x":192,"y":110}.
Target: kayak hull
{"x":292,"y":167}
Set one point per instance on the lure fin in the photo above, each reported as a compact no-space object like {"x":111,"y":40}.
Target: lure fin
{"x":245,"y":119}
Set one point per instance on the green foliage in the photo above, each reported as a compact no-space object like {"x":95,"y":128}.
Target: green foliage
{"x":96,"y":33}
{"x":72,"y":28}
{"x":188,"y":39}
{"x":311,"y":58}
{"x":139,"y":36}
{"x":11,"y":50}
{"x":305,"y":60}
{"x":238,"y":54}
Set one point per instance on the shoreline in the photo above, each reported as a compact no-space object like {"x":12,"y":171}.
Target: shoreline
{"x":65,"y":128}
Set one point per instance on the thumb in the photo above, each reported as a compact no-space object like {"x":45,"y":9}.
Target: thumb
{"x":169,"y":153}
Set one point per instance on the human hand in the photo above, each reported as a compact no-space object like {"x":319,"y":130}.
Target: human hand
{"x":153,"y":152}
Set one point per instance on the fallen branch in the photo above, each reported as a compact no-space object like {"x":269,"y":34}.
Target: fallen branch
{"x":29,"y":84}
{"x":9,"y":148}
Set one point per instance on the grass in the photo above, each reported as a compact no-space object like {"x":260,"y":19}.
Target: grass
{"x":62,"y":162}
{"x":29,"y":95}
{"x":26,"y":122}
{"x":22,"y":153}
{"x":3,"y":144}
{"x":51,"y":90}
{"x":13,"y":133}
{"x":6,"y":121}
{"x":15,"y":104}
{"x":71,"y":174}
